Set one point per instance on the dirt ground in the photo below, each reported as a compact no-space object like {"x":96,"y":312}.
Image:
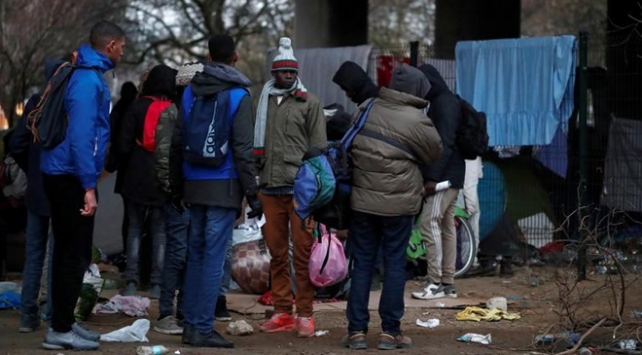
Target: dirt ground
{"x":535,"y":304}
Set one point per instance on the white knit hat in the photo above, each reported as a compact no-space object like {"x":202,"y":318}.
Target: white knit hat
{"x":285,"y":59}
{"x":186,"y":72}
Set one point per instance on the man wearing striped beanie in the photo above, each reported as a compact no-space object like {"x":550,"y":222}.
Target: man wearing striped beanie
{"x":289,"y":121}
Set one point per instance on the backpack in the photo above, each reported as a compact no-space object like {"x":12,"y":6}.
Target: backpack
{"x":323,"y":183}
{"x":48,"y":121}
{"x":207,"y":130}
{"x":472,"y":136}
{"x":151,"y":122}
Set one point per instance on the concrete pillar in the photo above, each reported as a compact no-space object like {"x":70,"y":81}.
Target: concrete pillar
{"x":458,"y":20}
{"x":623,"y":53}
{"x":330,"y":23}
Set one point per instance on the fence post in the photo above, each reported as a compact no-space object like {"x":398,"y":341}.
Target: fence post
{"x":414,"y":53}
{"x":583,"y":146}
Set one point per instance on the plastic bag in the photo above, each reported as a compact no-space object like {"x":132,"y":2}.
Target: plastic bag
{"x":248,"y":231}
{"x":91,"y":287}
{"x":328,"y":264}
{"x":137,"y":332}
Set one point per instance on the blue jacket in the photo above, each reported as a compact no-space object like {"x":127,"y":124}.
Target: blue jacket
{"x":83,"y":151}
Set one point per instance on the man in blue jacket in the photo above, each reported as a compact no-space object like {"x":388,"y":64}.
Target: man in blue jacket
{"x":214,"y":193}
{"x":71,"y":171}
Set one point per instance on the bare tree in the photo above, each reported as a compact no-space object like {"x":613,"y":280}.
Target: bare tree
{"x":397,"y":22}
{"x":176,"y":31}
{"x":31,"y":30}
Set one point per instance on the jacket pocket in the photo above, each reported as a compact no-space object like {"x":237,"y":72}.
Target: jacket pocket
{"x":292,"y":158}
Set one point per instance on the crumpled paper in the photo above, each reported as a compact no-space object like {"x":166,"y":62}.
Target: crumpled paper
{"x":430,"y":323}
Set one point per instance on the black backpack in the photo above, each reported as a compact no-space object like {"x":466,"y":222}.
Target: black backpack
{"x":48,"y":121}
{"x":472,"y":137}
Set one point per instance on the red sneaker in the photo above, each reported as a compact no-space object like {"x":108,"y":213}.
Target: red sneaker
{"x":280,"y":322}
{"x":305,"y":327}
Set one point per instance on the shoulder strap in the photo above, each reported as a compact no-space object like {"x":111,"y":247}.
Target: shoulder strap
{"x":357,"y":126}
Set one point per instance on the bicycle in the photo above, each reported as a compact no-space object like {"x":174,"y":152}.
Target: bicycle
{"x":466,"y":246}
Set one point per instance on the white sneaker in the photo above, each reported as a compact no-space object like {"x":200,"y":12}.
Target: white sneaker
{"x":429,"y":292}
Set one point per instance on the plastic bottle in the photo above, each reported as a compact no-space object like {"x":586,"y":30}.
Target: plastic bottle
{"x":151,"y":350}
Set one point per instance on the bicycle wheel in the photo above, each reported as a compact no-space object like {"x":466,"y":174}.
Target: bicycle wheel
{"x":466,"y":248}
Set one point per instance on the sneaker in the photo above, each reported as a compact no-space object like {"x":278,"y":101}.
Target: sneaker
{"x":391,"y":342}
{"x":130,"y":290}
{"x":355,"y":341}
{"x":305,"y":327}
{"x":29,"y":324}
{"x":280,"y":322}
{"x":429,"y":292}
{"x":168,"y":325}
{"x":154,"y":292}
{"x":221,"y":313}
{"x":69,"y":340}
{"x":449,"y":291}
{"x":85,"y":333}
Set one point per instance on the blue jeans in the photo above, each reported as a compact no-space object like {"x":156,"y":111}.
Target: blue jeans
{"x":368,"y":233}
{"x":176,"y":228}
{"x":137,"y":213}
{"x":36,"y":248}
{"x":227,"y":269}
{"x":207,"y":242}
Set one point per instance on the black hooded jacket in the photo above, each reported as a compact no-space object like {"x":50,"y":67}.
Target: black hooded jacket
{"x":445,"y":112}
{"x":128,"y":94}
{"x":355,"y":81}
{"x":139,"y":183}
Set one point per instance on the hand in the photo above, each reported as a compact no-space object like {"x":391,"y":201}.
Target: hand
{"x":429,"y":188}
{"x":178,"y":204}
{"x":90,"y":203}
{"x":255,"y":206}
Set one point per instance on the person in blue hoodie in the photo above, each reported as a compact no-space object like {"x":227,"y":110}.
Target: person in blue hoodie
{"x":214,"y":193}
{"x":71,"y":171}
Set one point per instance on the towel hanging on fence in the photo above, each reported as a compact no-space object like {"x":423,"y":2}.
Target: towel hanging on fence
{"x":525,"y":86}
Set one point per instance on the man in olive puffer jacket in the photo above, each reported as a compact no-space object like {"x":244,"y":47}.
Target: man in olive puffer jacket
{"x":387,"y":193}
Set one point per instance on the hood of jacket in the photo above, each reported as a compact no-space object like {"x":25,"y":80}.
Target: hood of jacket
{"x":437,"y":83}
{"x":351,"y":77}
{"x":91,"y":58}
{"x":402,"y":98}
{"x":216,"y":77}
{"x":161,"y":81}
{"x":409,"y":80}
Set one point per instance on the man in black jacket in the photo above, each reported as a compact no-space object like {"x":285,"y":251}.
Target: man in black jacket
{"x":437,"y":217}
{"x":141,"y":192}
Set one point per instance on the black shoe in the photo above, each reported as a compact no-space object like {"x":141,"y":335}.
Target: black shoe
{"x":220,"y":312}
{"x":212,"y":340}
{"x":187,"y":333}
{"x":506,"y":268}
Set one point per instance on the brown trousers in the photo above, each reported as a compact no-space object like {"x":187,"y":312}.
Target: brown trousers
{"x":279,"y":214}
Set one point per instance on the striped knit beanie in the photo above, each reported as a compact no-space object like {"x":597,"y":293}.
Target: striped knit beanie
{"x":285,"y":59}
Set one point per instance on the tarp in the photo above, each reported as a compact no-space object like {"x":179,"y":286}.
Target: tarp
{"x":318,"y":65}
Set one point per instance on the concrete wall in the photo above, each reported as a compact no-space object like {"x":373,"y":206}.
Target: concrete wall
{"x":458,"y":20}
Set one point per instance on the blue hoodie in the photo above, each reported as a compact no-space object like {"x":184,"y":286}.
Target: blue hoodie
{"x":83,"y":151}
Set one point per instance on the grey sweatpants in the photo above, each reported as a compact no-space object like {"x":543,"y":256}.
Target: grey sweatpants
{"x":438,"y":231}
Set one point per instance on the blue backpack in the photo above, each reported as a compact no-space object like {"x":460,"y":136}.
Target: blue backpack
{"x":323,"y":183}
{"x":206,"y":133}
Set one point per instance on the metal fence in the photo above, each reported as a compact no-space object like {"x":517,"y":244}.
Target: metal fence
{"x":604,"y":174}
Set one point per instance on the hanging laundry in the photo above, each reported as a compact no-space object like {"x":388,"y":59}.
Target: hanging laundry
{"x":525,"y":86}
